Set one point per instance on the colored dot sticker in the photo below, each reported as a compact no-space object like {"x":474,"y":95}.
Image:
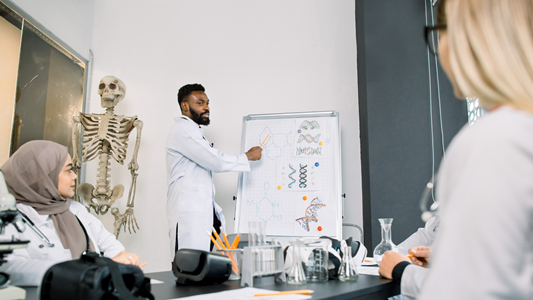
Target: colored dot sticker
{"x":319,"y":228}
{"x":321,"y":143}
{"x":305,"y":198}
{"x":299,"y":131}
{"x":279,"y":187}
{"x":317,"y":164}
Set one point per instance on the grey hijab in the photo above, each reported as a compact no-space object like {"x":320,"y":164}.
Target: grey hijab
{"x":31,"y":175}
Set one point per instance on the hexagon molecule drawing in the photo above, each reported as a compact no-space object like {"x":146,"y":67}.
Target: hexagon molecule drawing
{"x":273,"y":142}
{"x":264,"y":208}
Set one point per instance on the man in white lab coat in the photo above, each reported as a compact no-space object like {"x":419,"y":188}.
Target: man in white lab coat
{"x":191,"y":206}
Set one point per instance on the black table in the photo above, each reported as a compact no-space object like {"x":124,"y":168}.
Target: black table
{"x":366,"y":287}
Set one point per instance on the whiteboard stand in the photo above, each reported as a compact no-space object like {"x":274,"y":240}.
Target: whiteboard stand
{"x":310,"y":140}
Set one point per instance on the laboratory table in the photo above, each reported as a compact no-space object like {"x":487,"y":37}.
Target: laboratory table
{"x":366,"y":287}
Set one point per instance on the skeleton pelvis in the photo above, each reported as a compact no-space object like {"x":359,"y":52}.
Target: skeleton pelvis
{"x":103,"y":201}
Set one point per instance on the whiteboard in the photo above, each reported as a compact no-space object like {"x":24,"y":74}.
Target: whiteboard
{"x":295,"y":189}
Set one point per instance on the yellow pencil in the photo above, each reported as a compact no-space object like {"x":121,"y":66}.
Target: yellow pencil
{"x":213,"y":240}
{"x":264,"y":140}
{"x":218,"y":238}
{"x":236,"y":241}
{"x":225,"y":238}
{"x":233,"y":263}
{"x":296,"y":292}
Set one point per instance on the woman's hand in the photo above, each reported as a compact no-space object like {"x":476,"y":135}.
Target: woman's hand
{"x":390,"y":260}
{"x":127,"y":259}
{"x":420,"y":256}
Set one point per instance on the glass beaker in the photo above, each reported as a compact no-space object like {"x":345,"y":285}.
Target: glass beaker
{"x":296,"y":272}
{"x":386,"y":242}
{"x":347,"y":270}
{"x":317,"y":259}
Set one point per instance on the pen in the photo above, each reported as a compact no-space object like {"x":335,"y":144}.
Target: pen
{"x":264,"y":140}
{"x":296,"y":292}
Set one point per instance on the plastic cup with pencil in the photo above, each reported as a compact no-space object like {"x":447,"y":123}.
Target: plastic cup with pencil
{"x":231,"y":252}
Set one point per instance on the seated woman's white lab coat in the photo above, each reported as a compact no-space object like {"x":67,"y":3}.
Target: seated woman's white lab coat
{"x":27,"y":266}
{"x":413,"y":276}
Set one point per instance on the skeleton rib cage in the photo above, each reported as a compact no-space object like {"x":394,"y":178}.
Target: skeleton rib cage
{"x":114,"y":130}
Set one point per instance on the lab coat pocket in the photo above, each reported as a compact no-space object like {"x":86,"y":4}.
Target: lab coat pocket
{"x":192,"y":198}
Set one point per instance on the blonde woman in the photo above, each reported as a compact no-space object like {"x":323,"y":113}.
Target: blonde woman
{"x":484,"y":247}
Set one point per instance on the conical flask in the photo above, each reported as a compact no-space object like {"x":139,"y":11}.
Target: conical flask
{"x":386,"y":242}
{"x":296,"y":273}
{"x":347,"y":271}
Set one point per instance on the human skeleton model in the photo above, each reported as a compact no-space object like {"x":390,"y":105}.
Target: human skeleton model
{"x":106,"y":136}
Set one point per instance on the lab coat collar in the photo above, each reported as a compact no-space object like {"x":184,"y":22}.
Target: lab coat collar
{"x":186,"y":118}
{"x":34,"y":216}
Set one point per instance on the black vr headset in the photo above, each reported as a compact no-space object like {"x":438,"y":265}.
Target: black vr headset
{"x":199,"y":267}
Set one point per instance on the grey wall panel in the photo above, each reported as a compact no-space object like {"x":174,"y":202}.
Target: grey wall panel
{"x":394,"y":99}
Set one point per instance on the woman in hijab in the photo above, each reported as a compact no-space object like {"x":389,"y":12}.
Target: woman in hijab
{"x":39,"y":175}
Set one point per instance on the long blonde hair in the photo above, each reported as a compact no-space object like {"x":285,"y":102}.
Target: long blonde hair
{"x":491,"y":50}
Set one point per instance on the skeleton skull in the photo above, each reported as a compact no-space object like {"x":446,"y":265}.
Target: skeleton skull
{"x":111,"y":90}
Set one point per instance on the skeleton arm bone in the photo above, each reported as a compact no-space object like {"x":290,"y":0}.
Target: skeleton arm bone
{"x":75,"y":142}
{"x":133,"y":166}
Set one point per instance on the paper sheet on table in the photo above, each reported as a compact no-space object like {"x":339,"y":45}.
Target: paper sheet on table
{"x":245,"y":294}
{"x":369,"y":261}
{"x":368,"y":270}
{"x":155,"y":281}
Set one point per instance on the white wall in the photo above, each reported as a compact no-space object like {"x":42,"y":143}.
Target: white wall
{"x":263,"y":56}
{"x":69,"y":20}
{"x":252,"y":57}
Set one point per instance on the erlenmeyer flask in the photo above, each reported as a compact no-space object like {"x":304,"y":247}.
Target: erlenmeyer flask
{"x":347,"y":271}
{"x":386,"y":242}
{"x":296,"y":273}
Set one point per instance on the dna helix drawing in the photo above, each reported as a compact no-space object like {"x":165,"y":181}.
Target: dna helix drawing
{"x":308,"y":151}
{"x":311,"y":213}
{"x":309,"y":124}
{"x":290,"y":176}
{"x":309,"y":138}
{"x":303,"y":176}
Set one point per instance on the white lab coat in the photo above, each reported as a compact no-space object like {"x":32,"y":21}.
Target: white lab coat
{"x":27,"y":266}
{"x":413,"y":276}
{"x":484,"y":246}
{"x":191,"y":192}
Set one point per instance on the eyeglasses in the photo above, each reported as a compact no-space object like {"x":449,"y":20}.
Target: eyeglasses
{"x":432,"y":37}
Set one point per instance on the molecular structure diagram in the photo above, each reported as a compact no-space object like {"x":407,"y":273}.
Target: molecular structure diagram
{"x":264,"y":208}
{"x":311,"y":213}
{"x":274,"y":142}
